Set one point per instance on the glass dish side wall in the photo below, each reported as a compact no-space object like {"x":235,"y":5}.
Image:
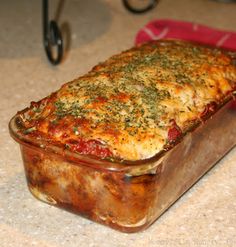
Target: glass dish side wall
{"x":130,"y":199}
{"x":110,"y":198}
{"x":194,"y":156}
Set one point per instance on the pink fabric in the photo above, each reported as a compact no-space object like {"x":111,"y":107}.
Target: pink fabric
{"x":159,"y":29}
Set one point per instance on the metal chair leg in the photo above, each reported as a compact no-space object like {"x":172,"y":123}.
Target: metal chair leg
{"x":51,"y":37}
{"x":131,"y":6}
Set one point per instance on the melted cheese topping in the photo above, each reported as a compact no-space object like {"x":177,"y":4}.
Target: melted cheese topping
{"x":128,"y":103}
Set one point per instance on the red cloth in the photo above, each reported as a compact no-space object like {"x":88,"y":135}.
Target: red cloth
{"x":159,"y":29}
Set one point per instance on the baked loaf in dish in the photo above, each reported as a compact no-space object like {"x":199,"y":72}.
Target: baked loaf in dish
{"x":122,"y":143}
{"x":137,"y":103}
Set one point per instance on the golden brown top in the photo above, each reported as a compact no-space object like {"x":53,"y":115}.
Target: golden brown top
{"x":137,"y":102}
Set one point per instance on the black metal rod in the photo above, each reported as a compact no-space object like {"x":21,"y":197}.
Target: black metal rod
{"x":130,"y":6}
{"x":51,"y":37}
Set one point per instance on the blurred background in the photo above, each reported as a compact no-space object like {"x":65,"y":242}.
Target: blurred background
{"x":92,"y":30}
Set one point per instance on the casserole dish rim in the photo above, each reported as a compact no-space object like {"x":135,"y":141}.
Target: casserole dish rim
{"x":99,"y":163}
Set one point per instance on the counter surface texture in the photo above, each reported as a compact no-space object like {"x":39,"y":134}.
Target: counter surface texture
{"x":204,"y":216}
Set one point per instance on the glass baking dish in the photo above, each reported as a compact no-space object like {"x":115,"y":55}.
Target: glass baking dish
{"x":127,"y":196}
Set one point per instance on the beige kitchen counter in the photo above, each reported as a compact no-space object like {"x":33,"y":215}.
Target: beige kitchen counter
{"x":204,"y":216}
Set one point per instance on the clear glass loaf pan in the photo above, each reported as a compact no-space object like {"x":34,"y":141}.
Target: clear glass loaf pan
{"x":126,"y":196}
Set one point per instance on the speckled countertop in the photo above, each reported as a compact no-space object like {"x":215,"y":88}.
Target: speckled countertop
{"x":204,"y":216}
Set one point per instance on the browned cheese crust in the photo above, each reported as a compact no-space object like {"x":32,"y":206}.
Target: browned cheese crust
{"x":135,"y":103}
